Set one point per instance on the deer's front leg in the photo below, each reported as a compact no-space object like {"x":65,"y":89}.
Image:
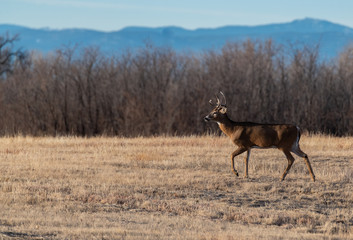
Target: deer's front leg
{"x":234,"y":154}
{"x":247,"y":163}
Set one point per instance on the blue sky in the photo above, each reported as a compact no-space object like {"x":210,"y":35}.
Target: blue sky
{"x":110,"y":15}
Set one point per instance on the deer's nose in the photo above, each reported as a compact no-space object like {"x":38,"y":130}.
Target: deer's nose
{"x":206,"y":119}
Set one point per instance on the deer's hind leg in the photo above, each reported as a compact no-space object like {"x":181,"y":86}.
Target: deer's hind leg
{"x":296,"y":149}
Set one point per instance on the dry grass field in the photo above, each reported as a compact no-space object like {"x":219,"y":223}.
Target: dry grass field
{"x":172,"y":188}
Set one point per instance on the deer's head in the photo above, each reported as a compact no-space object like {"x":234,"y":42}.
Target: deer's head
{"x":219,"y":111}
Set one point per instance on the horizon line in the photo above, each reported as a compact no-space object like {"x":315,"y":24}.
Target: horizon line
{"x":172,"y":26}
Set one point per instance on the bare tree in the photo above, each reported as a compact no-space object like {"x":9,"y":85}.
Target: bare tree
{"x":159,"y":91}
{"x":8,"y":55}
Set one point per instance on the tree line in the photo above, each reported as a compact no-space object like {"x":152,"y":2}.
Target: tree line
{"x":157,"y":90}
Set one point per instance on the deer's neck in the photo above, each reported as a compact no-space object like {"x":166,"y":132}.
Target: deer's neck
{"x":227,"y":126}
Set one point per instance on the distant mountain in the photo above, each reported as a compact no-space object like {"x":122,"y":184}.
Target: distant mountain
{"x":332,"y":37}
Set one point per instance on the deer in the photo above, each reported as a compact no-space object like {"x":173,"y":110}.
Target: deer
{"x":249,"y":135}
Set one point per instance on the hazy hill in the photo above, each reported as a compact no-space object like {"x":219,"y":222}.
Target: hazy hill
{"x":332,"y":37}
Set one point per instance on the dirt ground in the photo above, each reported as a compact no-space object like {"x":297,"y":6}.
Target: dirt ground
{"x":172,"y":188}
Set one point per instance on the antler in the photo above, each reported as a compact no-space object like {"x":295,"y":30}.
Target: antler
{"x":224,"y":97}
{"x":215,"y":104}
{"x":219,"y":103}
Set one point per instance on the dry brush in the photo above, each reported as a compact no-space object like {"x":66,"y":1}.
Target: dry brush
{"x":159,"y":91}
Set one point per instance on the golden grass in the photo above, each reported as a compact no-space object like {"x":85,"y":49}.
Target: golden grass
{"x":171,"y":188}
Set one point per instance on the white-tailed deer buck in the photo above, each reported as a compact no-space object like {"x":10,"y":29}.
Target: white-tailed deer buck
{"x":248,"y":135}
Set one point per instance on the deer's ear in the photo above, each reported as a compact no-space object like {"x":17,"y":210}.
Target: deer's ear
{"x":223,"y":110}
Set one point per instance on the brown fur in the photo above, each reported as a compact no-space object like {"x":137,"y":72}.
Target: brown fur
{"x":248,"y":135}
